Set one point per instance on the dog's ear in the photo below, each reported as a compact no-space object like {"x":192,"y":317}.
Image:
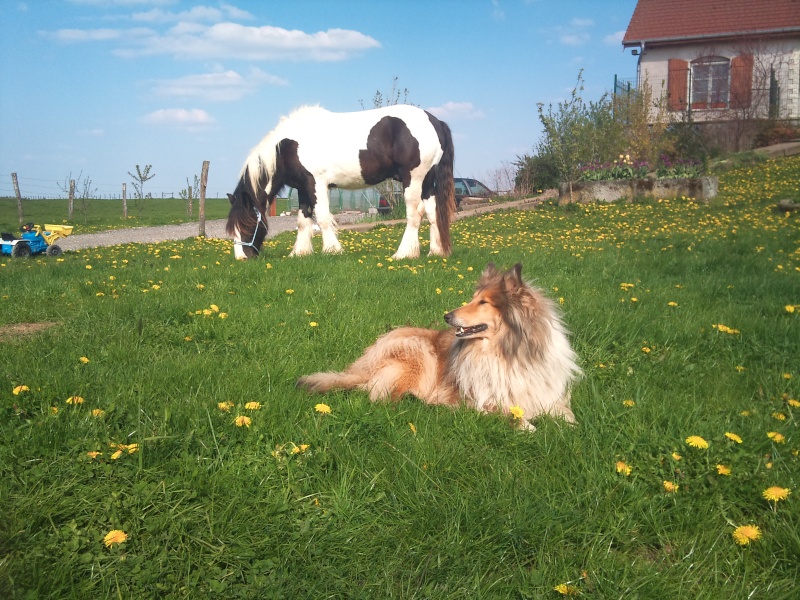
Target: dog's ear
{"x":513,"y":278}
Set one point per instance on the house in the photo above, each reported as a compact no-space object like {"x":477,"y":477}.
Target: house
{"x":724,"y":65}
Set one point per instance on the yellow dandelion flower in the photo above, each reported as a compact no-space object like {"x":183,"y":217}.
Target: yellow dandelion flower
{"x":623,"y":468}
{"x":566,"y":590}
{"x":787,"y":375}
{"x":115,"y":536}
{"x":793,"y":403}
{"x":629,"y":403}
{"x":304,"y":447}
{"x":670,"y":487}
{"x":676,"y":456}
{"x":323,"y":409}
{"x":116,"y":455}
{"x":93,"y":454}
{"x":776,"y":437}
{"x":778,"y":415}
{"x":776,"y":494}
{"x":290,"y":292}
{"x":252,"y":406}
{"x":98,"y":412}
{"x":672,"y":304}
{"x":53,"y":410}
{"x":733,"y":437}
{"x":74,"y":400}
{"x":789,"y":308}
{"x":313,"y":324}
{"x":242,"y":421}
{"x":214,"y":308}
{"x":744,"y":534}
{"x":131,"y":448}
{"x":740,"y":368}
{"x":517,"y":412}
{"x":723,"y":470}
{"x":225,"y":406}
{"x":223,"y":315}
{"x":745,"y":413}
{"x":413,"y":428}
{"x":695,"y":441}
{"x":19,"y":389}
{"x":207,"y":312}
{"x":646,"y":350}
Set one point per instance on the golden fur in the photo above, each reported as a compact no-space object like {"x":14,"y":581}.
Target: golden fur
{"x":507,"y":347}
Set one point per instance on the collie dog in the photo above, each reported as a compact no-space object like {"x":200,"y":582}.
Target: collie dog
{"x":507,"y":348}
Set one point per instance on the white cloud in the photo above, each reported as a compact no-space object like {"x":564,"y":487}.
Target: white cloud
{"x":220,"y":86}
{"x":582,"y":23}
{"x":574,"y":39}
{"x":498,"y":14}
{"x":456,"y":110}
{"x":187,"y":40}
{"x":196,"y":13}
{"x":191,"y":119}
{"x":122,"y":2}
{"x":614,"y":39}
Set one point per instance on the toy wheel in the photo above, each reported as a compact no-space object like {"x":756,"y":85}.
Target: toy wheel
{"x":54,"y":250}
{"x":21,"y":251}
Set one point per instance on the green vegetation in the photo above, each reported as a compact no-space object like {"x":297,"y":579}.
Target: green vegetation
{"x":687,"y":321}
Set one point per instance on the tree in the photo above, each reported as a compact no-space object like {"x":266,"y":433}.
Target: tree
{"x":189,"y":193}
{"x":142,"y":176}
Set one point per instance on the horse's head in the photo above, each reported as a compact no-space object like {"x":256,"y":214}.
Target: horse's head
{"x":247,"y":219}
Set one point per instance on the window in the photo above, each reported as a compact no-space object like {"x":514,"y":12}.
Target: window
{"x":710,"y":82}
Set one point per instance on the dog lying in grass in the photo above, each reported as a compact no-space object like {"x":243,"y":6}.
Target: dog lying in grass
{"x":507,"y":348}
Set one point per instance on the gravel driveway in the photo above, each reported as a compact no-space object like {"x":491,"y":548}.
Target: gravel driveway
{"x":163,"y":233}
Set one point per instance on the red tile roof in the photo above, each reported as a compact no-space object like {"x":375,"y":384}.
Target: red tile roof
{"x":672,"y":20}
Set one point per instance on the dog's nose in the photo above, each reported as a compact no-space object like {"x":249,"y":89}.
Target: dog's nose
{"x":448,"y":317}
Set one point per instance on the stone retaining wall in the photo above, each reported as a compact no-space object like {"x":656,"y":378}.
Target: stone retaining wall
{"x":701,"y":189}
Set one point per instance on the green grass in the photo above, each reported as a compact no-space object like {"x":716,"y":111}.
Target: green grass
{"x":465,"y":506}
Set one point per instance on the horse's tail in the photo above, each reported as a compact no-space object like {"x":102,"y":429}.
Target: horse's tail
{"x":445,"y":189}
{"x":324,"y":382}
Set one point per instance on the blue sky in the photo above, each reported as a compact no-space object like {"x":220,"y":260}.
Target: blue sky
{"x":98,"y":86}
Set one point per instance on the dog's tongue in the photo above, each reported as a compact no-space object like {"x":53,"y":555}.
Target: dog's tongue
{"x":466,"y":331}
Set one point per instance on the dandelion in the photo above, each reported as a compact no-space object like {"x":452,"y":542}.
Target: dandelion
{"x":252,"y":406}
{"x":53,"y":410}
{"x":779,"y":415}
{"x":116,"y":455}
{"x":744,"y":534}
{"x":776,"y":494}
{"x":646,"y":350}
{"x":676,"y":456}
{"x":20,"y":389}
{"x":517,"y":412}
{"x":723,"y":470}
{"x":793,"y":403}
{"x":115,"y":536}
{"x":623,"y":468}
{"x":242,"y":421}
{"x":776,"y":437}
{"x":313,"y":324}
{"x":670,"y":487}
{"x":131,"y":448}
{"x":304,"y":447}
{"x":98,"y":412}
{"x":566,"y":590}
{"x":93,"y":454}
{"x":733,"y":437}
{"x":74,"y":400}
{"x":629,"y":403}
{"x":225,"y":406}
{"x":290,"y":292}
{"x":787,"y":375}
{"x":695,"y":441}
{"x":725,"y":329}
{"x":745,"y":413}
{"x":413,"y":428}
{"x":223,"y":315}
{"x":672,"y":304}
{"x":740,"y":368}
{"x":214,"y":308}
{"x":322,"y":409}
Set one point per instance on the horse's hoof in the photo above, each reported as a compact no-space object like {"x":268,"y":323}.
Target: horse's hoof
{"x":300,"y":253}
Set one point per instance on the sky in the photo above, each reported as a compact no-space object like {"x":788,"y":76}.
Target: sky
{"x":91,"y":88}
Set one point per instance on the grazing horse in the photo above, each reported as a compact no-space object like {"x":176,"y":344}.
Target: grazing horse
{"x":314,"y":150}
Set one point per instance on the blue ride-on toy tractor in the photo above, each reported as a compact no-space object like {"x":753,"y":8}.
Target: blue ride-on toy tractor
{"x":34,"y":240}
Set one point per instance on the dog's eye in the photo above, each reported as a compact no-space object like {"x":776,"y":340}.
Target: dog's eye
{"x":482,"y":302}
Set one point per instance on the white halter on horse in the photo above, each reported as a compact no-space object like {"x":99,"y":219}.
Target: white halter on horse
{"x":314,"y":150}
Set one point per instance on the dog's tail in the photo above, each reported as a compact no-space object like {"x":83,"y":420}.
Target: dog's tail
{"x":320,"y":383}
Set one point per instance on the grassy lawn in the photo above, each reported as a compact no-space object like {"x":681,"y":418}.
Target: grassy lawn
{"x":686,"y":318}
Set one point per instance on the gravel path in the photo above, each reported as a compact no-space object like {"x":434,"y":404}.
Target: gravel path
{"x":216,"y":228}
{"x":163,"y":233}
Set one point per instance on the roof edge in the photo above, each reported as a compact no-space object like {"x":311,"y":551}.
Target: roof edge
{"x":715,"y":36}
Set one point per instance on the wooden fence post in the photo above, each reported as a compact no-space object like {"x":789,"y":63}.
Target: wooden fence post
{"x":202,"y":209}
{"x":189,"y":206}
{"x":19,"y":198}
{"x":124,"y":202}
{"x":71,"y":205}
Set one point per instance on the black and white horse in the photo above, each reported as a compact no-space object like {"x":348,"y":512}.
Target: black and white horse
{"x":314,"y":150}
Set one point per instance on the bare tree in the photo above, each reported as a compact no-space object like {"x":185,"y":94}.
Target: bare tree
{"x":189,"y":193}
{"x":502,"y":178}
{"x":142,"y":176}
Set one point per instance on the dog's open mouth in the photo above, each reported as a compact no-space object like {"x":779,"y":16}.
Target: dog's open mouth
{"x":467,"y":331}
